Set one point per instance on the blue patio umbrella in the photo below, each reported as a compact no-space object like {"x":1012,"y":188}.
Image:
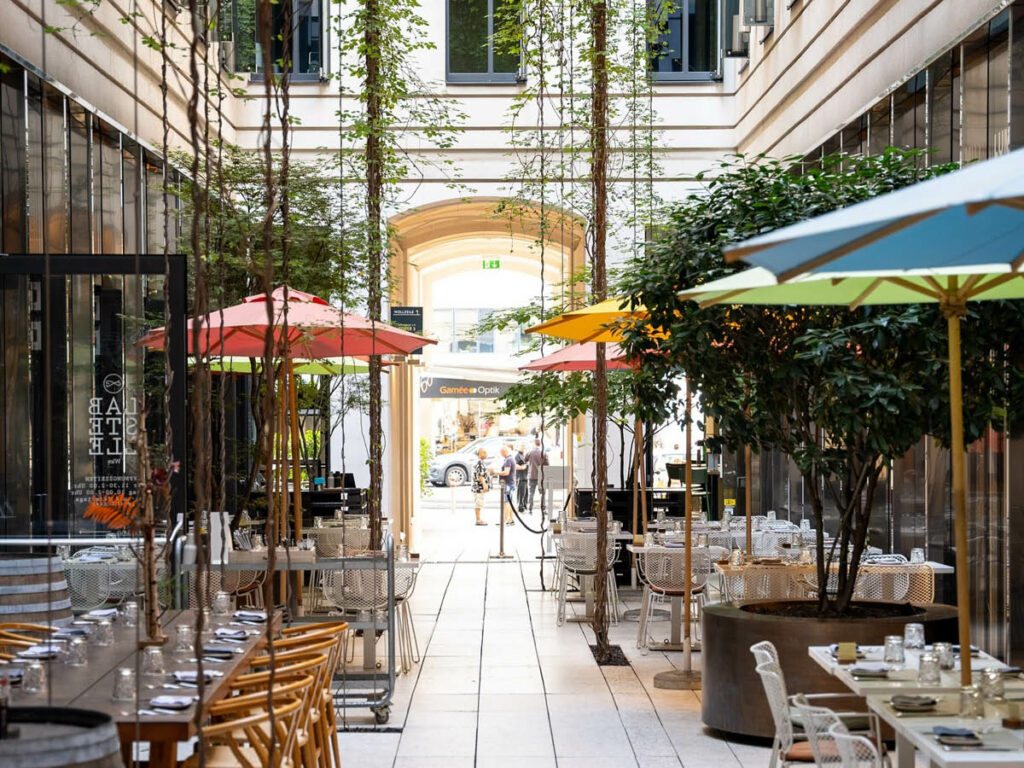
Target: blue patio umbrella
{"x":952,"y":239}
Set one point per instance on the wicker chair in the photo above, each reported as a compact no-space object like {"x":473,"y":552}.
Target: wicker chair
{"x":577,"y":557}
{"x":855,"y":751}
{"x":664,"y":574}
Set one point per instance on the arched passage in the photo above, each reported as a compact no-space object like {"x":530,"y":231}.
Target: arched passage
{"x":444,"y":239}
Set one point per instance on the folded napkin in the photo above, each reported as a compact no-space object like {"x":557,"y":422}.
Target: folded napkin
{"x":912,"y":700}
{"x":869,"y":671}
{"x":675,"y":544}
{"x":40,"y":652}
{"x":251,"y":615}
{"x":227,"y":651}
{"x":171,"y":702}
{"x":73,"y":631}
{"x":192,"y":675}
{"x":235,"y":634}
{"x":103,"y":613}
{"x":959,"y":733}
{"x":886,"y":560}
{"x":96,"y":559}
{"x":13,"y":674}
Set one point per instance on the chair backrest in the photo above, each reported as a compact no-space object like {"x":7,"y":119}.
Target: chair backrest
{"x":778,"y":703}
{"x":357,"y":590}
{"x":578,"y":551}
{"x":765,"y":653}
{"x":816,"y":722}
{"x":767,"y":542}
{"x":882,"y":582}
{"x":244,"y":723}
{"x":854,"y":751}
{"x":665,"y":568}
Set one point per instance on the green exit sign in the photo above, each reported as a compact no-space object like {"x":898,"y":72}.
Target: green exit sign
{"x":492,"y":263}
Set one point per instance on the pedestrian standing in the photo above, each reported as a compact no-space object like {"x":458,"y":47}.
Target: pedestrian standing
{"x":521,"y":480}
{"x":535,"y":460}
{"x":481,"y":484}
{"x":507,"y":473}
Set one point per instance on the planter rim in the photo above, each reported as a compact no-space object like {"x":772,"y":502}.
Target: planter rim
{"x":922,"y":610}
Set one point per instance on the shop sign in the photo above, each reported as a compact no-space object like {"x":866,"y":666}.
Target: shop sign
{"x":408,"y":319}
{"x":468,"y":389}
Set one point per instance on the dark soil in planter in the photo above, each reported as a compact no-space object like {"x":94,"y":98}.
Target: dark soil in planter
{"x":616,"y":658}
{"x":809,"y":610}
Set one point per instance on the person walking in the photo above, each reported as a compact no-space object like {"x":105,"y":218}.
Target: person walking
{"x":481,"y":484}
{"x":535,"y":460}
{"x":507,"y":473}
{"x":521,"y":481}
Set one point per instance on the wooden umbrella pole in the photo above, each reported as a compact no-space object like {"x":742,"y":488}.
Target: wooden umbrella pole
{"x":748,"y":464}
{"x":688,"y":560}
{"x":637,"y":487}
{"x":293,"y":409}
{"x":956,"y":455}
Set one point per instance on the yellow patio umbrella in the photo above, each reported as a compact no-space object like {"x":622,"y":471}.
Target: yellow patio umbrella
{"x":598,"y":322}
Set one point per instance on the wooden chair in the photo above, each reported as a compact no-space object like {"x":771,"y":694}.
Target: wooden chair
{"x":247,"y":733}
{"x":14,"y":637}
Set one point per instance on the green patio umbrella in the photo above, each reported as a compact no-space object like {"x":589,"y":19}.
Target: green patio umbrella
{"x":331,"y":366}
{"x":951,"y":288}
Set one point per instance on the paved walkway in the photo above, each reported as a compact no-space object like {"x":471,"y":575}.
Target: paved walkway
{"x":502,"y":686}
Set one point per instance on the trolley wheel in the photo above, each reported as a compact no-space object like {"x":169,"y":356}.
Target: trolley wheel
{"x":382,"y":714}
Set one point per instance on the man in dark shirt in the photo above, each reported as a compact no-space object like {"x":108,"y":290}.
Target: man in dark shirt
{"x":535,"y":460}
{"x":507,"y":473}
{"x":521,"y":484}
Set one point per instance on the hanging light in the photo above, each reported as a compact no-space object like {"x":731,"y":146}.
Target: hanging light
{"x":759,"y":13}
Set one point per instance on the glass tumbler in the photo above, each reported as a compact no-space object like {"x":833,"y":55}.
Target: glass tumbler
{"x":339,"y":515}
{"x":928,"y":670}
{"x":971,"y":703}
{"x":894,"y":655}
{"x":702,"y":539}
{"x":736,"y":558}
{"x":913,"y":637}
{"x":992,"y":686}
{"x":771,"y":515}
{"x":183,"y":639}
{"x":130,"y":614}
{"x":318,"y":522}
{"x":103,"y":633}
{"x":648,"y":539}
{"x":222,"y":603}
{"x":944,"y":651}
{"x":917,"y":555}
{"x":33,"y":679}
{"x":153,"y":662}
{"x":805,"y":525}
{"x":124,"y":684}
{"x":76,"y":653}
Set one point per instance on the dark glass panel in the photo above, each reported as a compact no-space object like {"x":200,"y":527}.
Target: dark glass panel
{"x":107,"y":145}
{"x":12,"y":158}
{"x":998,"y":79}
{"x":908,"y":114}
{"x":34,"y":166}
{"x":131,"y":192}
{"x":505,"y":60}
{"x":940,"y":132}
{"x":854,"y":137}
{"x":701,"y":35}
{"x":667,"y":53}
{"x":467,"y":36}
{"x":879,"y":126}
{"x":1017,"y":76}
{"x":55,"y":172}
{"x":244,"y":35}
{"x":975,"y":103}
{"x":154,"y":206}
{"x":81,"y":179}
{"x":15,"y":407}
{"x":831,"y":147}
{"x":307,"y":36}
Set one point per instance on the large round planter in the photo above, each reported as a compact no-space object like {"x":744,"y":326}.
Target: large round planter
{"x":733,"y":699}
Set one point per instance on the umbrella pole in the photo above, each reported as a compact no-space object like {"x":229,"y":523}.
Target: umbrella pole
{"x":637,"y":487}
{"x":957,"y":457}
{"x":293,"y":402}
{"x":748,"y":464}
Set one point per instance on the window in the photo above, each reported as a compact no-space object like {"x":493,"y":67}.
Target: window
{"x":687,"y":48}
{"x":473,"y":56}
{"x":300,"y":20}
{"x":455,"y":331}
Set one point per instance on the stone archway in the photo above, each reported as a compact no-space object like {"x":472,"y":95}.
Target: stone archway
{"x":436,"y":236}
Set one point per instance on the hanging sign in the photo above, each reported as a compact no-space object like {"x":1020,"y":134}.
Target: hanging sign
{"x":408,"y":319}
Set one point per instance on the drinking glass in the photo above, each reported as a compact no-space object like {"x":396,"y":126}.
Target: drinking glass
{"x":222,"y":603}
{"x":917,"y":555}
{"x":913,"y":637}
{"x":77,"y":653}
{"x":678,"y":526}
{"x":771,"y":515}
{"x":894,"y":656}
{"x":64,"y":551}
{"x":736,"y":558}
{"x":124,"y":684}
{"x":103,"y":633}
{"x":944,"y":652}
{"x":805,"y":525}
{"x":318,"y":522}
{"x":992,"y":686}
{"x":183,"y":639}
{"x":33,"y":679}
{"x":928,"y":670}
{"x":153,"y":662}
{"x":648,"y":539}
{"x":971,"y":703}
{"x":130,"y":614}
{"x":702,"y":539}
{"x":339,"y":515}
{"x":661,"y":515}
{"x":806,"y":556}
{"x":403,"y":553}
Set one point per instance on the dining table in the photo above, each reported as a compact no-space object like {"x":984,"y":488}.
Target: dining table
{"x":91,"y":685}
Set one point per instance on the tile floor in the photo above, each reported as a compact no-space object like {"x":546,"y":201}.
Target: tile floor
{"x":500,"y":685}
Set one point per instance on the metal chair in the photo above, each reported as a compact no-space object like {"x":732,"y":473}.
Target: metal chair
{"x":816,"y":722}
{"x":408,"y":643}
{"x":664,"y":574}
{"x":921,"y":587}
{"x":784,"y":745}
{"x":330,"y":542}
{"x":766,"y":543}
{"x":882,"y":582}
{"x":762,"y":582}
{"x":855,"y":751}
{"x":577,"y":557}
{"x":88,"y":584}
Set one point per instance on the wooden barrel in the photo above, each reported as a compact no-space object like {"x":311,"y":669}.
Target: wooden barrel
{"x":32,"y":588}
{"x":59,"y":737}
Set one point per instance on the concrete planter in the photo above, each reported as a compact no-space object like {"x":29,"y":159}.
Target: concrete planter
{"x":733,"y":699}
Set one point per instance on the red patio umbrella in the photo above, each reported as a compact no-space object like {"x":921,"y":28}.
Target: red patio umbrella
{"x":579,"y":357}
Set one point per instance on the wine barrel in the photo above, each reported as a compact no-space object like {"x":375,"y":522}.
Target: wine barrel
{"x":60,"y":737}
{"x":32,"y":589}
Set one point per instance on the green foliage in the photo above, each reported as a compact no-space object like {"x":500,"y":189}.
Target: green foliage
{"x":426,"y":456}
{"x":842,"y":392}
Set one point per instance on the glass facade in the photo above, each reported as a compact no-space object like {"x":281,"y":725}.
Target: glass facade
{"x":966,"y":105}
{"x":74,"y":191}
{"x":298,"y":21}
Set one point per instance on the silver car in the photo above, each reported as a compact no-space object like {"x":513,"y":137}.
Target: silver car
{"x":457,"y":468}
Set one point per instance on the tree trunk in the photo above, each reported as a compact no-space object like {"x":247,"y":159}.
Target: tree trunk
{"x":375,"y":246}
{"x":599,"y":230}
{"x":818,"y":511}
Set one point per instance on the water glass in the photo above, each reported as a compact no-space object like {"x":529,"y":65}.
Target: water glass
{"x":992,"y":686}
{"x":222,"y":603}
{"x":153,"y":662}
{"x":130,"y":614}
{"x":661,"y":515}
{"x":103,"y":633}
{"x":736,"y":558}
{"x":894,"y":656}
{"x":805,"y":525}
{"x":702,"y":540}
{"x":678,"y":526}
{"x":971,"y":703}
{"x":64,"y":552}
{"x":33,"y":679}
{"x":913,"y":637}
{"x":944,"y":652}
{"x":339,"y":515}
{"x":124,"y":684}
{"x":77,"y":653}
{"x":403,"y":553}
{"x":771,"y":515}
{"x":183,"y":639}
{"x":928,"y":670}
{"x":917,"y":555}
{"x":703,"y":517}
{"x":648,"y":539}
{"x":318,"y":522}
{"x":806,"y":556}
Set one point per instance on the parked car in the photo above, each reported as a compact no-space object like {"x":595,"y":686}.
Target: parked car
{"x":457,"y":467}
